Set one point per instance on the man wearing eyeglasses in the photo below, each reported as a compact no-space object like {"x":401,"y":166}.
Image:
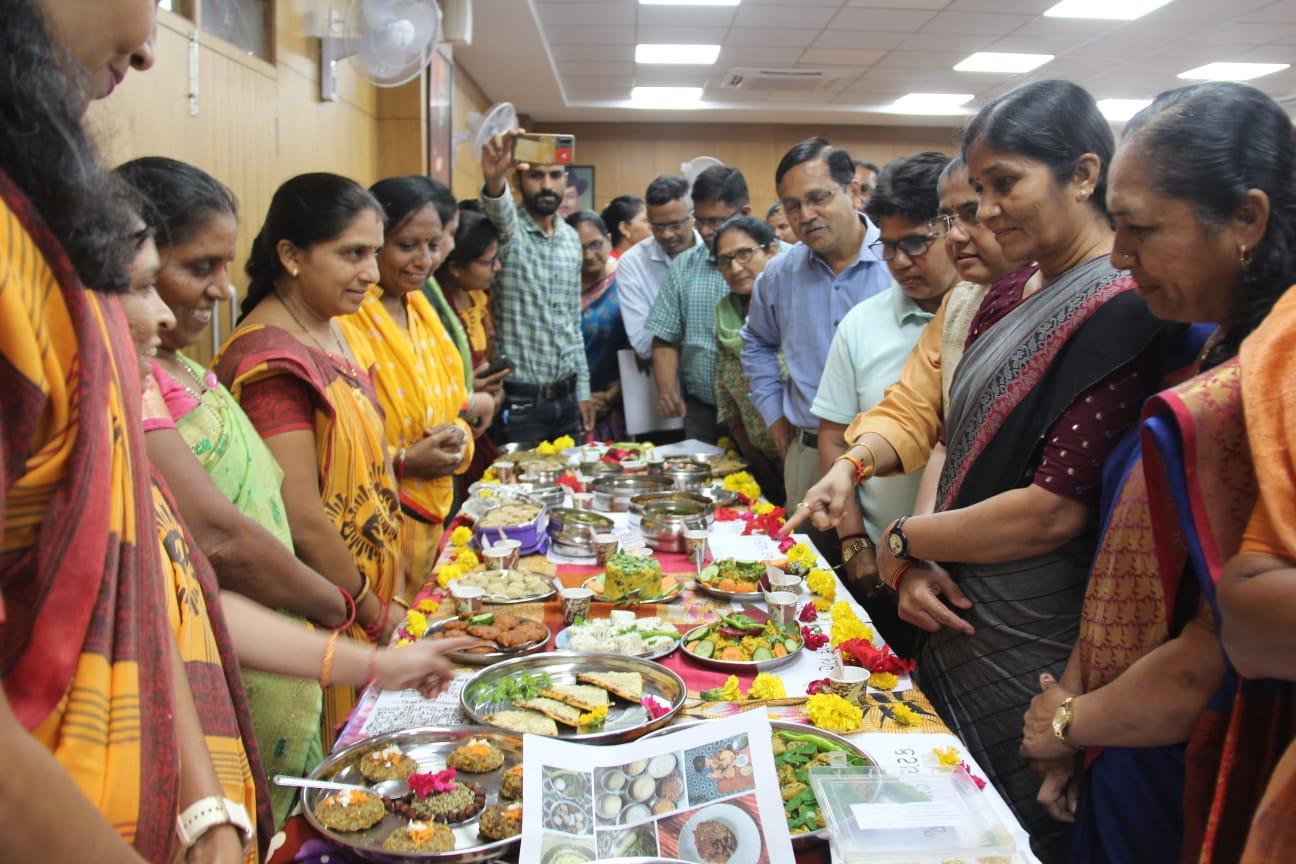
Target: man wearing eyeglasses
{"x":800,"y":300}
{"x":869,"y":351}
{"x":682,"y":319}
{"x":642,"y":269}
{"x":536,"y":300}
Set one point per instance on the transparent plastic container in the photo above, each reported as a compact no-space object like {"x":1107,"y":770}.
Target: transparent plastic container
{"x":929,"y":818}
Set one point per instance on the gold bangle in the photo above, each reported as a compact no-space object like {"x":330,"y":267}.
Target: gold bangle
{"x":326,"y":669}
{"x":364,"y":590}
{"x":401,"y":602}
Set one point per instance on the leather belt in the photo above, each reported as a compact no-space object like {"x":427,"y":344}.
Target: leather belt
{"x":809,"y":439}
{"x":557,"y":390}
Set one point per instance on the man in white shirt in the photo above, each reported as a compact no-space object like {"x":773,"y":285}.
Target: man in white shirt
{"x":870,"y":348}
{"x":642,"y":268}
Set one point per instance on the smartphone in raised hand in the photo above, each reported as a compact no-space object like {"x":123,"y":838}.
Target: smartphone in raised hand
{"x":539,"y":148}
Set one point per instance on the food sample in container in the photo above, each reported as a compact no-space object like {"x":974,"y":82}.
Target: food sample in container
{"x":420,"y":837}
{"x":507,"y":515}
{"x":389,"y":763}
{"x":478,"y":756}
{"x":350,"y":810}
{"x":510,"y":584}
{"x":626,"y":573}
{"x":500,"y":821}
{"x":739,"y":577}
{"x":510,"y":787}
{"x":623,"y":633}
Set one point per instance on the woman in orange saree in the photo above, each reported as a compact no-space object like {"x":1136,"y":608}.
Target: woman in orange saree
{"x":417,"y":370}
{"x":290,"y":369}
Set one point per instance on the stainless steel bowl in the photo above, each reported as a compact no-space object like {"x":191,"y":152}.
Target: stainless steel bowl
{"x":550,"y":495}
{"x":541,"y":475}
{"x":664,"y":521}
{"x":638,"y":502}
{"x":599,"y":469}
{"x":573,"y":530}
{"x":612,"y":494}
{"x":685,"y":474}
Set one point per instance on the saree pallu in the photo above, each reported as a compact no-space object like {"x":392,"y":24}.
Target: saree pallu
{"x":193,"y":610}
{"x":357,"y":489}
{"x":476,"y":324}
{"x":1011,"y":386}
{"x":85,"y":653}
{"x":286,"y":712}
{"x":417,"y":374}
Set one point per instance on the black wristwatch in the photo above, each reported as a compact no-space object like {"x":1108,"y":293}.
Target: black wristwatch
{"x":897,"y":542}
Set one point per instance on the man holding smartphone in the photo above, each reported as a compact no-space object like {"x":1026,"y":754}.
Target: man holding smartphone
{"x":536,"y":300}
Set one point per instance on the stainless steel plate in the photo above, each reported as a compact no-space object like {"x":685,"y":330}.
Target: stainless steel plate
{"x":807,"y":840}
{"x":488,"y":658}
{"x":428,"y":747}
{"x":501,"y":600}
{"x":562,"y":642}
{"x":739,"y":666}
{"x":624,"y":722}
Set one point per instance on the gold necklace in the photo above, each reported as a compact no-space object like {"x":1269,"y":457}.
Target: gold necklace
{"x":340,"y":357}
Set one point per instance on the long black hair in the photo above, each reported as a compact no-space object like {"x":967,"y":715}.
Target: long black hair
{"x":475,"y":235}
{"x":403,"y":197}
{"x":177,"y":199}
{"x":46,"y":151}
{"x":1054,"y":122}
{"x":306,"y":210}
{"x":1211,"y":144}
{"x":622,"y":208}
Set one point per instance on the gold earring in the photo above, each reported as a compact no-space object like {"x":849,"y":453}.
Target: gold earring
{"x":1084,"y":193}
{"x":294,"y":272}
{"x":1244,"y":257}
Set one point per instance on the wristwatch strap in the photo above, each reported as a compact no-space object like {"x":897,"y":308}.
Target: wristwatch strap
{"x":207,"y":813}
{"x":897,"y":541}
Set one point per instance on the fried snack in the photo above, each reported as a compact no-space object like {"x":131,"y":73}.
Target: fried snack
{"x":478,"y":756}
{"x":524,"y":721}
{"x":420,"y":837}
{"x":349,"y":811}
{"x":389,"y":763}
{"x":510,"y":787}
{"x":501,"y":821}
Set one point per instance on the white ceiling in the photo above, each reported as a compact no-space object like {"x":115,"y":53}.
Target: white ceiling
{"x":573,"y":60}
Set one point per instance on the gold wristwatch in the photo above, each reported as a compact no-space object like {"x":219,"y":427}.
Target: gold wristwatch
{"x":1062,"y":720}
{"x":859,"y":544}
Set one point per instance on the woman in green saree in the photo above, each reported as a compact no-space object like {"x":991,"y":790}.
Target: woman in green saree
{"x":217,"y":459}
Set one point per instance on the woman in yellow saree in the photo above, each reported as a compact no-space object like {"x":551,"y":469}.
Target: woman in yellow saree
{"x":417,"y":370}
{"x":311,"y":400}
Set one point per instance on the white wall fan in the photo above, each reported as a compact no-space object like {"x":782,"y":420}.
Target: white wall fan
{"x":389,"y":41}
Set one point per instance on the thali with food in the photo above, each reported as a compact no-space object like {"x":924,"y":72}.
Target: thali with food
{"x":797,"y":749}
{"x":457,"y":796}
{"x":591,"y":698}
{"x":741,"y":643}
{"x":730,"y":579}
{"x":503,"y":637}
{"x":620,"y":633}
{"x":505,"y":587}
{"x":630,"y":580}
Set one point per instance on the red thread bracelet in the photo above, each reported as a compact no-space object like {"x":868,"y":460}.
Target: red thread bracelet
{"x":351,"y":615}
{"x":900,"y":574}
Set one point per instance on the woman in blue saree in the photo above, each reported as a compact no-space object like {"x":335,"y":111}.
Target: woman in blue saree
{"x":1143,"y":706}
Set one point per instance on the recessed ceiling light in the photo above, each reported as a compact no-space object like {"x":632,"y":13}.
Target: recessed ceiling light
{"x":698,"y":55}
{"x":1232,"y":71}
{"x":992,"y":61}
{"x":689,"y":2}
{"x":664,"y":97}
{"x":1109,"y":10}
{"x":930,"y":103}
{"x":1120,"y":110}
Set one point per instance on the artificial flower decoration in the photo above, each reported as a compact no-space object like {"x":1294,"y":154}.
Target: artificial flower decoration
{"x":809,"y":614}
{"x":448,"y":573}
{"x":767,"y":686}
{"x":822,"y":582}
{"x":903,"y":715}
{"x":948,"y":757}
{"x":801,"y":557}
{"x":594,"y":719}
{"x":883,"y":680}
{"x":813,"y":637}
{"x":429,"y":605}
{"x":654,"y":707}
{"x":461,"y":536}
{"x":467,"y":559}
{"x":862,"y":653}
{"x":832,"y":712}
{"x":416,"y":623}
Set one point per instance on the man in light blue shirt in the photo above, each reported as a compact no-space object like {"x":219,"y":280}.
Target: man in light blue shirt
{"x":868,"y":352}
{"x":802,"y":297}
{"x":642,"y":269}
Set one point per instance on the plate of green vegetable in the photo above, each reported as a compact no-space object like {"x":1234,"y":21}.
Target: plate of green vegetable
{"x":740,"y":643}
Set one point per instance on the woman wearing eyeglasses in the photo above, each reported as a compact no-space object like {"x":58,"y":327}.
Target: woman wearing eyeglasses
{"x":601,"y":323}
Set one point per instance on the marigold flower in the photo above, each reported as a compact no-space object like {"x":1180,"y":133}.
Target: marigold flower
{"x":744,"y":484}
{"x":546,"y":448}
{"x":428,"y":606}
{"x":903,"y":715}
{"x":448,"y":573}
{"x":883,"y":680}
{"x":725,"y":443}
{"x":846,"y":629}
{"x":594,"y":719}
{"x":467,"y":559}
{"x":821,"y":605}
{"x":767,"y":686}
{"x":731,"y":691}
{"x":461,"y":536}
{"x":801,"y":557}
{"x":760,"y":508}
{"x":948,"y":757}
{"x":416,"y":623}
{"x":832,"y":712}
{"x":822,"y":582}
{"x":563,"y":442}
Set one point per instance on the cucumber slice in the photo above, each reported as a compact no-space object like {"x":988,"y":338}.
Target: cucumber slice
{"x":705,"y":649}
{"x":762,"y":653}
{"x":791,"y":644}
{"x":484,"y":618}
{"x":709,"y":573}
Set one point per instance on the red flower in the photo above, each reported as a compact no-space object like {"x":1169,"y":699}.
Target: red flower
{"x":860,"y":652}
{"x":963,"y":769}
{"x":820,"y":685}
{"x":570,"y":482}
{"x":726,"y":514}
{"x":813,"y":637}
{"x":786,"y":543}
{"x":769,"y":523}
{"x":655,"y":709}
{"x":424,"y":785}
{"x":809,"y":614}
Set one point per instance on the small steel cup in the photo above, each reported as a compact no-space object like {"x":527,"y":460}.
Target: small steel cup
{"x":605,"y":546}
{"x":468,"y":598}
{"x":782,"y":607}
{"x":514,"y":550}
{"x":575,"y":604}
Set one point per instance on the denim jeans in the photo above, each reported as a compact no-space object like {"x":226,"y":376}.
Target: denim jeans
{"x":532,"y":419}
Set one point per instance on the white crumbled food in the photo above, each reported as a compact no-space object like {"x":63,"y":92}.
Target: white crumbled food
{"x":620,"y":636}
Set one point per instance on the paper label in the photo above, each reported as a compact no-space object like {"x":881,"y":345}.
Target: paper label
{"x":918,"y":814}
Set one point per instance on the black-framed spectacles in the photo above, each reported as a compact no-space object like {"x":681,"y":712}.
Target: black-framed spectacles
{"x":595,"y":245}
{"x":914,"y":246}
{"x":671,"y":227}
{"x":742,"y":255}
{"x":965,"y":216}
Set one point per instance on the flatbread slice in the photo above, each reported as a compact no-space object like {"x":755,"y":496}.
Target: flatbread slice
{"x":553,"y":709}
{"x":623,"y":685}
{"x":524,"y":721}
{"x":580,"y":696}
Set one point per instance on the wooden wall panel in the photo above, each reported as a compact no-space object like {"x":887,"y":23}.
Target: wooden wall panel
{"x":466,"y":178}
{"x":628,"y":156}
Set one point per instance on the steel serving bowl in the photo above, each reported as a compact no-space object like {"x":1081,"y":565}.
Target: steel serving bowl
{"x":553,"y":496}
{"x":613,"y":493}
{"x":574,"y":529}
{"x":685,"y":474}
{"x":638,"y":502}
{"x":664,"y":522}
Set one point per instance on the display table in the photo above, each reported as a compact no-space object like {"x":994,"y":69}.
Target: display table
{"x":894,"y":746}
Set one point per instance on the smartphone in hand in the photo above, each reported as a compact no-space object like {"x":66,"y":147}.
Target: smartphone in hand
{"x":540,"y":148}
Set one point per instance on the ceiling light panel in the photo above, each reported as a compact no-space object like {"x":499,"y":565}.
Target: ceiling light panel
{"x":1105,"y":10}
{"x":1120,"y":110}
{"x":694,"y":55}
{"x":993,"y":61}
{"x":1232,"y":71}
